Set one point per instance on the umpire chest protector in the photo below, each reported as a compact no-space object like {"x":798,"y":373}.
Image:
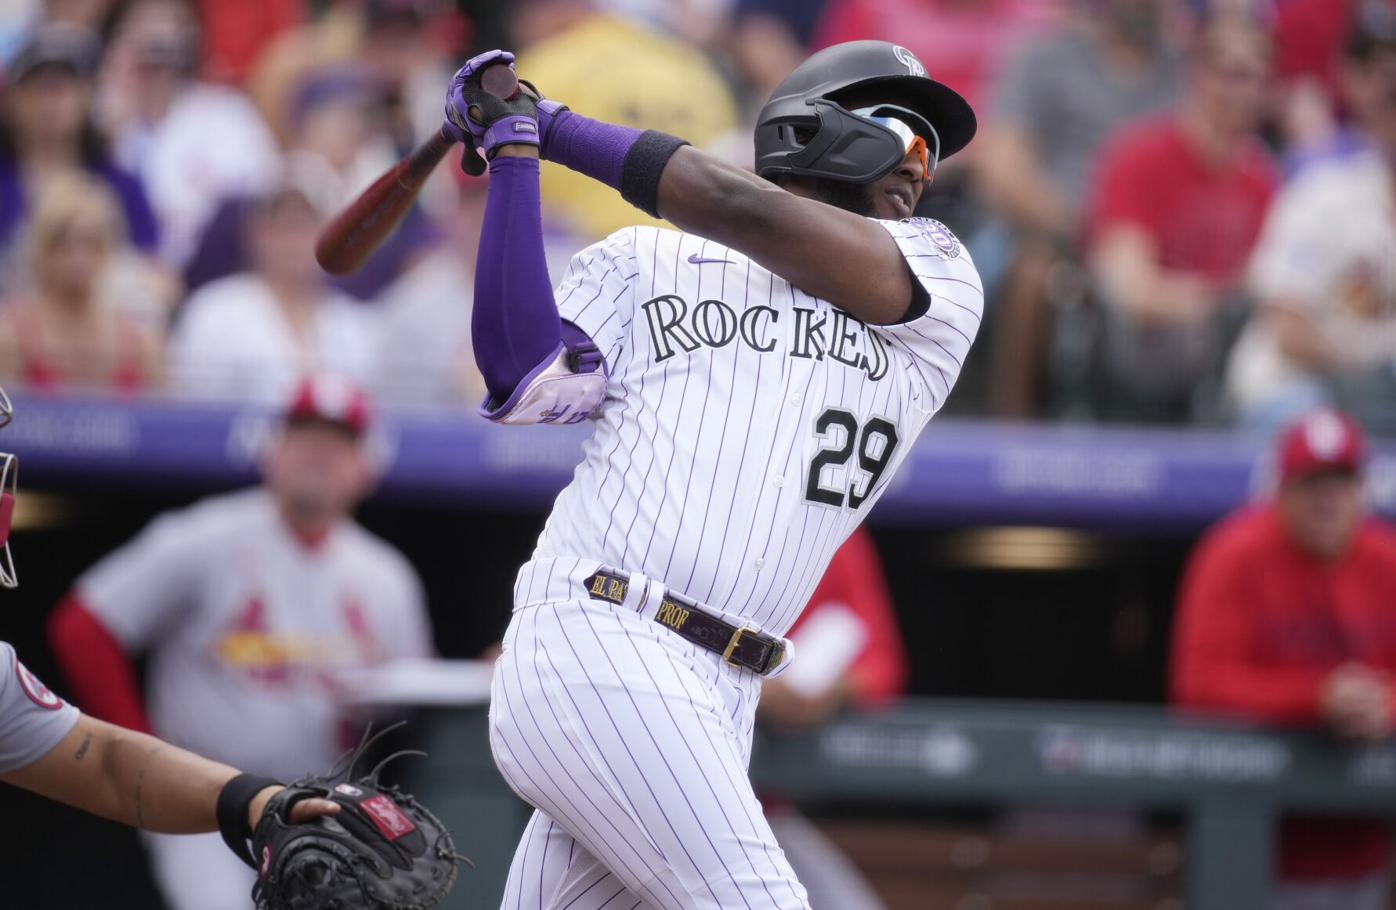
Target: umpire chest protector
{"x":806,"y":128}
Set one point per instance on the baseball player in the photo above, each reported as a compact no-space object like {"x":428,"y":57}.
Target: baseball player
{"x":753,"y":380}
{"x":249,"y":605}
{"x":48,"y":747}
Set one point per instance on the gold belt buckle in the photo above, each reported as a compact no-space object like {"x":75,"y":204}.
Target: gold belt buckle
{"x":732,"y":645}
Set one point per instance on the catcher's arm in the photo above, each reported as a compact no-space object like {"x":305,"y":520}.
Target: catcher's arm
{"x":139,"y":780}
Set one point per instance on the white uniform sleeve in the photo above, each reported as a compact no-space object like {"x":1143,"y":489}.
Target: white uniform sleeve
{"x":138,"y":589}
{"x":936,"y":342}
{"x":32,"y":718}
{"x":597,"y":294}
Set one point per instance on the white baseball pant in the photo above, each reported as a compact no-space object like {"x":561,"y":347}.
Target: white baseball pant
{"x":632,"y":744}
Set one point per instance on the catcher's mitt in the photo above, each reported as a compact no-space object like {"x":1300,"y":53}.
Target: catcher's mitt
{"x":382,"y":851}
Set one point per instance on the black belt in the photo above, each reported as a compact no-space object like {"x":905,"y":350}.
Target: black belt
{"x":740,"y":646}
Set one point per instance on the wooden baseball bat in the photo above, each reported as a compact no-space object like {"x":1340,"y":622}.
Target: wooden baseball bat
{"x":353,"y":234}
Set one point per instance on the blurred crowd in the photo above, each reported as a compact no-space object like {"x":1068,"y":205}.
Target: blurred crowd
{"x":1184,"y":210}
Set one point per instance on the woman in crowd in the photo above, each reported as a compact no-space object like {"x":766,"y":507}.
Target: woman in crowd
{"x":46,"y":128}
{"x":63,"y":330}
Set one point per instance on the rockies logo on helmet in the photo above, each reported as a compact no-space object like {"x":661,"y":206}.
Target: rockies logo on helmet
{"x":808,"y":127}
{"x":913,"y":66}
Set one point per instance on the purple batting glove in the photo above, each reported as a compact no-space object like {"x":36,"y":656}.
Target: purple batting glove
{"x":483,"y":121}
{"x":465,"y":91}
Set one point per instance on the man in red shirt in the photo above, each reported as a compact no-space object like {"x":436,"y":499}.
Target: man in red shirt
{"x":1286,"y":615}
{"x":1175,"y":207}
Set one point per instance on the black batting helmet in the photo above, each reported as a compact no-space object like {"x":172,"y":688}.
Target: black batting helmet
{"x":808,"y":129}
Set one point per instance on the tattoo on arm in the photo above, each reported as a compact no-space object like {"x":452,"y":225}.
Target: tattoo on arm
{"x":82,"y":749}
{"x":140,"y":784}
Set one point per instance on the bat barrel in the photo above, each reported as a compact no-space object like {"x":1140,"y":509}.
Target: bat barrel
{"x":357,"y":231}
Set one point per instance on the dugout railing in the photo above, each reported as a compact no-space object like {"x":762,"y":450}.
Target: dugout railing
{"x":1230,"y":782}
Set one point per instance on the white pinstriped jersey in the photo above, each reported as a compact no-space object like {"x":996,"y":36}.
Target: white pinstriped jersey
{"x":748,"y":426}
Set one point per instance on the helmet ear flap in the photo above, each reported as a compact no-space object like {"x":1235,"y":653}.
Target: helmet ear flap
{"x":841,"y":147}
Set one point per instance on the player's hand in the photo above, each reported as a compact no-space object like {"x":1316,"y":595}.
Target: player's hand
{"x":1356,"y":701}
{"x":301,"y":812}
{"x":484,"y":121}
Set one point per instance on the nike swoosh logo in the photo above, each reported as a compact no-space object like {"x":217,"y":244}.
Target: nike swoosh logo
{"x":699,"y":260}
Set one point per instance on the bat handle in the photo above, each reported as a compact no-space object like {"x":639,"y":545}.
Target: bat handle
{"x":499,"y":80}
{"x":413,"y":170}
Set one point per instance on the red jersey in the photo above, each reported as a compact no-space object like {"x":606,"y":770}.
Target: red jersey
{"x":1203,"y":217}
{"x":1260,"y":625}
{"x":1308,"y":37}
{"x":237,"y":31}
{"x":855,"y":579}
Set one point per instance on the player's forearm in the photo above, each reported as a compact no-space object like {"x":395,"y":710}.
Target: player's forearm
{"x":128,"y":777}
{"x":515,"y":326}
{"x":705,"y":195}
{"x":804,"y":241}
{"x":160,"y":787}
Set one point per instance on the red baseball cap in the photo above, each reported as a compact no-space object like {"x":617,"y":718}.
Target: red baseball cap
{"x":331,"y":399}
{"x":1323,"y":440}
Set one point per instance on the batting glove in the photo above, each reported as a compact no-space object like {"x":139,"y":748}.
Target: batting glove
{"x":482,"y":121}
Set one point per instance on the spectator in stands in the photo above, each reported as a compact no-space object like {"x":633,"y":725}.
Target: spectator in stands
{"x":47,"y":128}
{"x":64,"y":330}
{"x":1284,"y":615}
{"x":1175,"y":208}
{"x":330,"y":39}
{"x":850,"y":654}
{"x":622,"y":73}
{"x":338,"y":146}
{"x":406,"y":45}
{"x":1110,"y":61}
{"x":192,"y":143}
{"x":1309,"y":38}
{"x":1326,"y":328}
{"x":768,"y":39}
{"x":237,"y":31}
{"x":247,"y":605}
{"x":251,"y":335}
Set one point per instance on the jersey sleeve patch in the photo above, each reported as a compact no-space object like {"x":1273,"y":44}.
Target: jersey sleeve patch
{"x":37,"y":692}
{"x":938,"y":234}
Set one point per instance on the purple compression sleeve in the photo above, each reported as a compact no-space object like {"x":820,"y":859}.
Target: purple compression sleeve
{"x":515,"y":327}
{"x":591,"y":147}
{"x":621,"y":157}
